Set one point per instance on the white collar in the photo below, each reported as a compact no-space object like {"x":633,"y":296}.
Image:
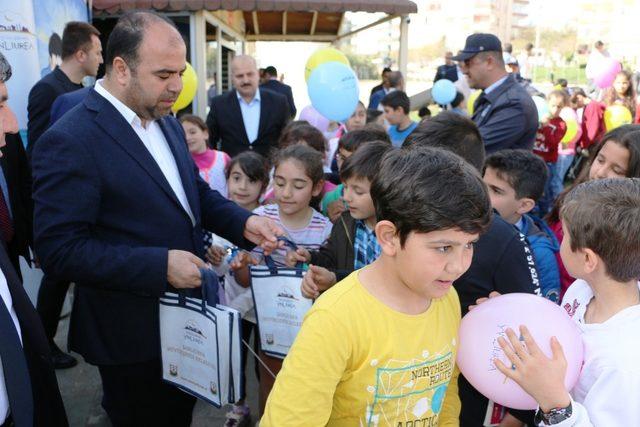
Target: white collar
{"x":496,"y":84}
{"x":129,"y":115}
{"x":256,"y":97}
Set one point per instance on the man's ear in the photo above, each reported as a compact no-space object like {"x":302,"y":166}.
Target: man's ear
{"x":388,"y":239}
{"x":121,"y":71}
{"x":525,"y":205}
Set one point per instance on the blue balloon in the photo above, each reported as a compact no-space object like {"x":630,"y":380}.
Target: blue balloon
{"x":541,"y":106}
{"x":443,"y":92}
{"x":333,"y":90}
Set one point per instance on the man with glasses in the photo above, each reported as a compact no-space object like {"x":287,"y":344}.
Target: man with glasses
{"x":504,"y":112}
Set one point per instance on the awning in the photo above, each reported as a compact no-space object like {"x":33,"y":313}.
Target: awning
{"x":293,"y":20}
{"x":393,"y":7}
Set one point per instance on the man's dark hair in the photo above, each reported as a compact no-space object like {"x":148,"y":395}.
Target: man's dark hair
{"x":397,"y":99}
{"x":528,"y":46}
{"x":395,"y":78}
{"x":385,"y":70}
{"x":508,"y":47}
{"x":428,"y":189}
{"x":77,"y":36}
{"x":599,"y":44}
{"x":352,"y":140}
{"x":126,"y":37}
{"x":563,"y":82}
{"x":452,"y":132}
{"x":603,"y":215}
{"x":55,"y":45}
{"x":5,"y":69}
{"x":271,"y":70}
{"x":525,"y":172}
{"x":365,"y":162}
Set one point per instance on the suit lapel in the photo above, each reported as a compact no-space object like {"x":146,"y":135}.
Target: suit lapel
{"x":183,"y":162}
{"x":263,"y":113}
{"x":237,"y":112}
{"x":112,"y":122}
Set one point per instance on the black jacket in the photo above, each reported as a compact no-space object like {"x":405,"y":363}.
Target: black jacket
{"x":508,"y":118}
{"x":226,"y":125}
{"x":17,"y":173}
{"x":337,"y":253}
{"x":48,"y":408}
{"x":41,"y":98}
{"x":449,"y":72}
{"x":283,"y":89}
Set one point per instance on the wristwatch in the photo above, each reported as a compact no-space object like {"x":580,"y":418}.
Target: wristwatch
{"x":554,"y":416}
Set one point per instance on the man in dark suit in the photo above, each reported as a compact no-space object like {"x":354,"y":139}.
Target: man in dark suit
{"x":273,"y":84}
{"x":247,"y":117}
{"x":504,"y":112}
{"x":16,"y":208}
{"x":17,"y":176}
{"x":29,"y":394}
{"x":81,"y":57}
{"x":120,"y":210}
{"x":447,"y":71}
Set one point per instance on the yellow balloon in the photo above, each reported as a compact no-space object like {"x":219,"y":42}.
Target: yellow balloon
{"x":572,"y":131}
{"x":616,"y":116}
{"x":321,"y":56}
{"x":472,"y":100}
{"x":189,"y":87}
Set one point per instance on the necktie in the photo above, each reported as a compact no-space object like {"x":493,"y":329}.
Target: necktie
{"x":16,"y":373}
{"x":6,"y":226}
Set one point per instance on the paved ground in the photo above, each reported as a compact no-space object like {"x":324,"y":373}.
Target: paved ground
{"x":81,"y":392}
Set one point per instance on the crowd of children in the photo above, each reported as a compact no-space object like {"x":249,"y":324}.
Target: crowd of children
{"x":401,"y":231}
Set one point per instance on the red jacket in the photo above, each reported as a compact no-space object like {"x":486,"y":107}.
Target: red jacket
{"x":548,"y":139}
{"x":592,"y":124}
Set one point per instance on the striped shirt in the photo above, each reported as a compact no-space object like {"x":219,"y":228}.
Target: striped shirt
{"x":310,"y":237}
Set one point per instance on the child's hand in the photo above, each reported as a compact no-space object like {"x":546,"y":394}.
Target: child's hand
{"x":299,"y":255}
{"x":316,"y":280}
{"x":479,"y":301}
{"x":215,"y":254}
{"x":335,"y":209}
{"x":242,"y":260}
{"x":541,"y":377}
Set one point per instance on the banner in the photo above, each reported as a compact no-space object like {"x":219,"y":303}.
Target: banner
{"x":31,"y":40}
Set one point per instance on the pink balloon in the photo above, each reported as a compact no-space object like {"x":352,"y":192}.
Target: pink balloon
{"x":605,"y":72}
{"x":478,"y":336}
{"x":314,"y":118}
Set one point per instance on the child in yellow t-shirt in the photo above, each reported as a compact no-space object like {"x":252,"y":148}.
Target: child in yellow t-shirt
{"x":379,"y":348}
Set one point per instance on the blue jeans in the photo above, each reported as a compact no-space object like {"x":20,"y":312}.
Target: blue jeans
{"x":564,"y":162}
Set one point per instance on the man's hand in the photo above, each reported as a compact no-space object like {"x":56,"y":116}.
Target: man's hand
{"x":335,"y":209}
{"x":215,"y":255}
{"x":263,"y":232}
{"x":316,"y":280}
{"x":539,"y":376}
{"x":299,"y":255}
{"x":183,"y":269}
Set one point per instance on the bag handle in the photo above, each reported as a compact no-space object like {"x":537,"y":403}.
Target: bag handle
{"x":208,"y":290}
{"x":268,"y":260}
